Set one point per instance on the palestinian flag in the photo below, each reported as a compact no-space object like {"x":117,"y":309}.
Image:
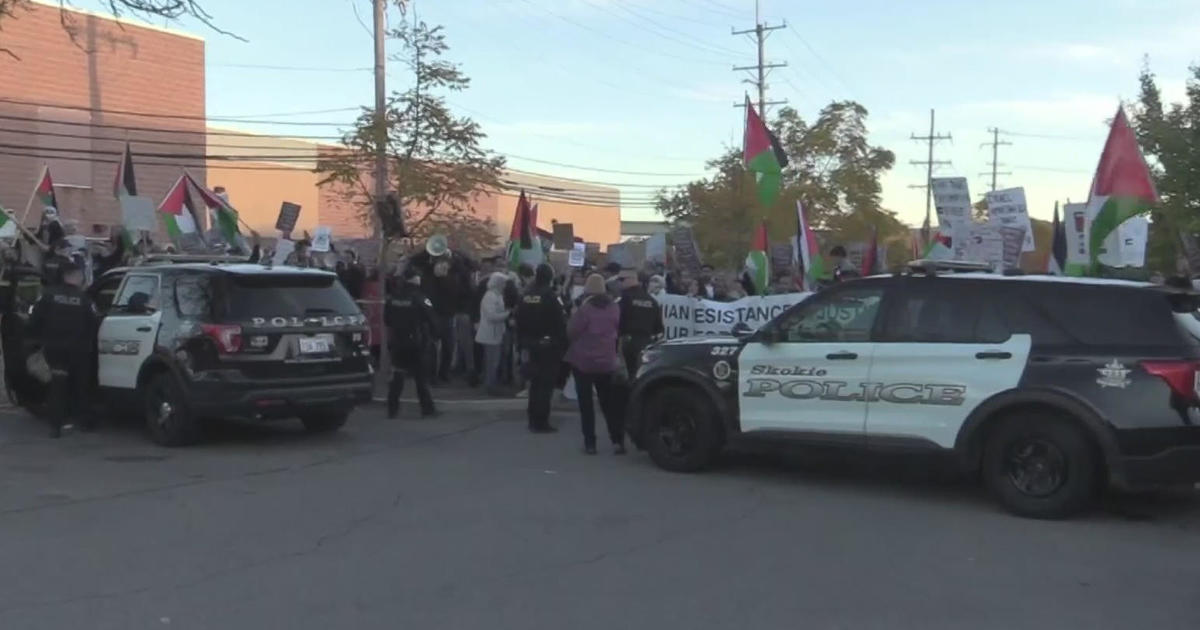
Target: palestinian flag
{"x":758,"y":263}
{"x":8,"y":225}
{"x":225,"y":218}
{"x":762,"y":156}
{"x":178,"y":215}
{"x":523,"y":246}
{"x":125,"y":185}
{"x":1122,"y":187}
{"x":1056,"y":263}
{"x":807,"y":253}
{"x":43,"y":194}
{"x":940,"y":247}
{"x":870,"y":259}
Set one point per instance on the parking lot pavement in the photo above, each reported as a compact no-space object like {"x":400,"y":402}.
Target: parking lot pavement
{"x":468,"y":521}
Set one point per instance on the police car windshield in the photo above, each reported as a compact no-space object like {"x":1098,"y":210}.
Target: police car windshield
{"x":281,"y":295}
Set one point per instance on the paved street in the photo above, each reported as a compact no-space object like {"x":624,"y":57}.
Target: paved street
{"x":469,"y":522}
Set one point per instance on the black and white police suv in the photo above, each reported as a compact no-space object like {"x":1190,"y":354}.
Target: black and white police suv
{"x":187,"y":342}
{"x":1048,"y":388}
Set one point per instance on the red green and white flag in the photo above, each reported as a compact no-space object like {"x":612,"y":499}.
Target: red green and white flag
{"x":1122,"y":187}
{"x":179,"y":216}
{"x":125,"y":185}
{"x":225,"y":218}
{"x":523,"y":245}
{"x":762,"y":156}
{"x":8,"y":225}
{"x":43,"y":195}
{"x":758,"y":263}
{"x":807,"y":253}
{"x":940,"y":247}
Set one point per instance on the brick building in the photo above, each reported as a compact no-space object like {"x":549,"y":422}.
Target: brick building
{"x":81,"y":85}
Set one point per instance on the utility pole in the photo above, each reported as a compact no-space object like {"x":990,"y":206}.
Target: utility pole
{"x":996,"y":143}
{"x":762,"y":68}
{"x":929,"y":163}
{"x":381,"y":175}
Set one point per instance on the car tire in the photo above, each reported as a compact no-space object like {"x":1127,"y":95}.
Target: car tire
{"x":169,"y":421}
{"x":325,"y":421}
{"x":1041,"y":466}
{"x":681,"y":431}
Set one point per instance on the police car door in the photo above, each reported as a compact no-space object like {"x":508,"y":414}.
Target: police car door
{"x":128,"y":331}
{"x":805,"y":370}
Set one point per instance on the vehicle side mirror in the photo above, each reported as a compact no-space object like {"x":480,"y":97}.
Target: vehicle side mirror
{"x":741,"y":330}
{"x":767,"y":335}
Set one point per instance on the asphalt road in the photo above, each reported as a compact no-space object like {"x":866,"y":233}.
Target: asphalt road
{"x":467,"y":521}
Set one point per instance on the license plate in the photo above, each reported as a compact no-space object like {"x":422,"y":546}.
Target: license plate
{"x":320,"y":344}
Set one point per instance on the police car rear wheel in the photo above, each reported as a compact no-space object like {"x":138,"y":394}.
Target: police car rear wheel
{"x":167,"y":418}
{"x":1041,"y":466}
{"x":681,"y":432}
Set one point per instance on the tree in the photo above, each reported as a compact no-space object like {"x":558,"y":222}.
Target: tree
{"x":833,"y":170}
{"x":436,"y":165}
{"x":1170,"y":138}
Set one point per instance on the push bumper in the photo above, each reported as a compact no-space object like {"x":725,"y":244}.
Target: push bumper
{"x":215,"y":396}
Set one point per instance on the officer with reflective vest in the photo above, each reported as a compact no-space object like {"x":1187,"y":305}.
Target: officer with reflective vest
{"x":65,"y":321}
{"x":641,"y":322}
{"x":411,"y":323}
{"x":542,"y":335}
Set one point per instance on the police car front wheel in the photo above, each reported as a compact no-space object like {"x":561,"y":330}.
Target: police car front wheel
{"x":682,"y":433}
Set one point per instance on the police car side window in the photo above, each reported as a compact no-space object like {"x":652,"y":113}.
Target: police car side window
{"x":135,"y":285}
{"x":849,"y":316}
{"x":938,"y":314}
{"x":194,"y":296}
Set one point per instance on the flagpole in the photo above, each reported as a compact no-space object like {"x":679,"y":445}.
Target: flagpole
{"x":33,"y":195}
{"x":24,"y":230}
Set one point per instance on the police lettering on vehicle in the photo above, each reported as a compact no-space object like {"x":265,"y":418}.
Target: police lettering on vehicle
{"x":841,"y":391}
{"x":297,"y":322}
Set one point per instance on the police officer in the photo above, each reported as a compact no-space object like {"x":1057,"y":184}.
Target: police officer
{"x":65,"y":321}
{"x":410,"y":322}
{"x":641,"y":321}
{"x":542,"y":334}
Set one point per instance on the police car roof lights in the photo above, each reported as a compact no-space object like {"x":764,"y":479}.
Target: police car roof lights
{"x":158,"y":259}
{"x":932,"y":267}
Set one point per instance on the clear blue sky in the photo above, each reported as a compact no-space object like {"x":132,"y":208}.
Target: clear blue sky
{"x":645,"y":85}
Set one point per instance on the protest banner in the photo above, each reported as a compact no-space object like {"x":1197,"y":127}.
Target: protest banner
{"x":685,"y":316}
{"x":985,"y":244}
{"x":1007,"y":207}
{"x":564,"y":236}
{"x":289,"y":213}
{"x":577,"y":255}
{"x":687,"y":254}
{"x":322,"y":238}
{"x":137,"y":214}
{"x":656,"y":248}
{"x":952,"y":199}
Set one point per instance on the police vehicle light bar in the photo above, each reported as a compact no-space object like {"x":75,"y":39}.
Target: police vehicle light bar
{"x":932,"y":267}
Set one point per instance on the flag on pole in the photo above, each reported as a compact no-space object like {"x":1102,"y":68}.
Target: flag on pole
{"x":125,"y":185}
{"x":762,"y":156}
{"x":940,"y":247}
{"x":522,"y":246}
{"x":225,"y":218}
{"x":8,"y":225}
{"x":870,"y":258}
{"x":807,"y":253}
{"x":178,"y":215}
{"x":1056,"y":264}
{"x":1122,"y":187}
{"x":758,"y":263}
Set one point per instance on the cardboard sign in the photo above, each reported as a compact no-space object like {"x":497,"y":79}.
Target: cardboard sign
{"x":687,"y":254}
{"x":621,"y":254}
{"x":137,"y":214}
{"x":564,"y":236}
{"x":953,"y":202}
{"x":322,"y":239}
{"x":656,"y":248}
{"x":289,"y":213}
{"x":283,"y":249}
{"x":984,"y":244}
{"x":592,"y":251}
{"x":781,"y":257}
{"x":1013,"y":239}
{"x":1078,"y":225}
{"x":1007,"y":208}
{"x":577,"y":255}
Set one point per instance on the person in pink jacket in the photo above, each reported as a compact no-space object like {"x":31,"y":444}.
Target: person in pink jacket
{"x":592,"y":354}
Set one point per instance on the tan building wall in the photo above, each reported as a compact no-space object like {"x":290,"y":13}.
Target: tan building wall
{"x":73,"y":104}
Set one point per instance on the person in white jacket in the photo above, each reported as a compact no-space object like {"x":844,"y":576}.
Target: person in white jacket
{"x":492,"y":319}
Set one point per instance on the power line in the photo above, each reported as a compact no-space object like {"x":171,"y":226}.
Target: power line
{"x":929,"y":163}
{"x":828,"y":67}
{"x":699,"y":43}
{"x":762,"y":68}
{"x":255,"y":66}
{"x":996,"y":143}
{"x":1048,"y":136}
{"x":124,"y":112}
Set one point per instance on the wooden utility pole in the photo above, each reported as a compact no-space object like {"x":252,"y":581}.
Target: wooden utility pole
{"x":929,"y":163}
{"x":762,"y":68}
{"x":996,"y":143}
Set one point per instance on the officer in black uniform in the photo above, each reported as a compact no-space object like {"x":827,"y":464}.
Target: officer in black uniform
{"x":410,"y":322}
{"x":65,"y":321}
{"x":542,"y":333}
{"x":641,"y":321}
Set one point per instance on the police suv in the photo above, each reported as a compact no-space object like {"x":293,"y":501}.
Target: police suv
{"x":1047,"y":388}
{"x":186,"y":342}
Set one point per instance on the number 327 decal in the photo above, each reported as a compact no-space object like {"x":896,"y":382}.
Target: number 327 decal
{"x":724,"y":351}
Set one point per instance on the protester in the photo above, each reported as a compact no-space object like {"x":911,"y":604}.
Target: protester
{"x":592,"y":354}
{"x":655,"y":286}
{"x":65,"y":320}
{"x":541,"y":331}
{"x":410,"y":320}
{"x":493,"y":317}
{"x":839,"y":264}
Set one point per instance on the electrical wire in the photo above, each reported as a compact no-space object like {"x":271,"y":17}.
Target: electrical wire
{"x":254,"y":66}
{"x":122,"y":112}
{"x":664,"y":32}
{"x":828,"y":67}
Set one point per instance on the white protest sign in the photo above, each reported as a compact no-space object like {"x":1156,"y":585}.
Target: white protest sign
{"x":985,"y":244}
{"x":1007,"y":207}
{"x":576,"y":256}
{"x":283,"y":249}
{"x":137,"y":214}
{"x":690,"y":317}
{"x":1078,"y":225}
{"x":322,"y":238}
{"x":952,"y":199}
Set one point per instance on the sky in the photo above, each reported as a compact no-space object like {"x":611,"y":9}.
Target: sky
{"x":640,"y":93}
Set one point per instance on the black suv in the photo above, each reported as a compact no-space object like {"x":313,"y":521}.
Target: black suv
{"x":1048,"y":388}
{"x":184,"y":343}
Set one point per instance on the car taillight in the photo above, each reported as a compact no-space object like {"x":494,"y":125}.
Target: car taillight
{"x":227,"y":337}
{"x":1180,"y":376}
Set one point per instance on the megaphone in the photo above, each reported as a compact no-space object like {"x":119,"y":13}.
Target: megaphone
{"x":437,"y":245}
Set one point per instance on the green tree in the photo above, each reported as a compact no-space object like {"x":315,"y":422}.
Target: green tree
{"x":436,"y":166}
{"x":1169,"y":135}
{"x":833,"y":170}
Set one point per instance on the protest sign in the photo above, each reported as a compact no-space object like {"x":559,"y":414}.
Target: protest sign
{"x":289,"y":213}
{"x":1007,"y":207}
{"x":685,"y":316}
{"x":619,"y":253}
{"x":953,"y":202}
{"x":1077,"y":225}
{"x":322,"y":238}
{"x":985,"y":244}
{"x":781,"y":257}
{"x":656,"y":248}
{"x":137,"y":214}
{"x":283,"y":249}
{"x":591,"y":251}
{"x":687,"y":254}
{"x":564,"y":236}
{"x":1012,"y":239}
{"x":577,"y":255}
